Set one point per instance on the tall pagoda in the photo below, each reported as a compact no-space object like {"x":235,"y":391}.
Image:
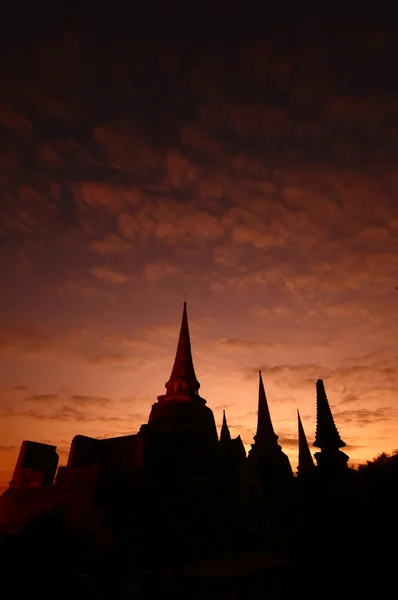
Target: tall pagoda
{"x":330,"y":459}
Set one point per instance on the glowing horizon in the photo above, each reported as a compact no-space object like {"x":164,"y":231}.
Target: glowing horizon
{"x":114,"y":424}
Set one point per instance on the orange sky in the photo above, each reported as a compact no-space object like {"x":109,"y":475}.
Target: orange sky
{"x":258,"y":175}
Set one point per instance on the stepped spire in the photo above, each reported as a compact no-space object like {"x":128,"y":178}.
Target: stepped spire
{"x":183,"y":380}
{"x":225,"y":436}
{"x":327,"y":437}
{"x":265,"y":434}
{"x":305,"y":462}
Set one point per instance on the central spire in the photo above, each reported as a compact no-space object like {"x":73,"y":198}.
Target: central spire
{"x":183,"y":380}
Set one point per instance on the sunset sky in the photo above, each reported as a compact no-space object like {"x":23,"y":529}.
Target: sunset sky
{"x":254,"y":169}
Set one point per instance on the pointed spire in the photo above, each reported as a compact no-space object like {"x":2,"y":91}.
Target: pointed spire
{"x":305,"y":461}
{"x":225,"y":436}
{"x":265,"y":432}
{"x":327,"y":437}
{"x":183,"y":379}
{"x":266,"y":457}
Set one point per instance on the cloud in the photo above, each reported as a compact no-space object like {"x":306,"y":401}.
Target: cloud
{"x":80,"y":400}
{"x":277,"y":311}
{"x":239,"y":344}
{"x":251,"y":235}
{"x":223,"y":406}
{"x":363,"y":416}
{"x":111,"y":244}
{"x":88,"y":292}
{"x":63,"y":413}
{"x":110,"y":359}
{"x":127,"y":149}
{"x":26,"y":340}
{"x":14,"y":388}
{"x":158,"y":270}
{"x":182,"y":173}
{"x":5,"y":448}
{"x":90,"y":400}
{"x":40,"y":398}
{"x":170,"y":222}
{"x":109,"y":275}
{"x":288,"y":441}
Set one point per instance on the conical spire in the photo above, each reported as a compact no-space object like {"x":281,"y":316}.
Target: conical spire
{"x":225,"y":436}
{"x":305,"y":461}
{"x":266,"y":459}
{"x":265,"y":434}
{"x":183,"y":379}
{"x":327,"y":437}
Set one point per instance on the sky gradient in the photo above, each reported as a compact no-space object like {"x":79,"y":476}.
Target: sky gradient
{"x":257,"y":173}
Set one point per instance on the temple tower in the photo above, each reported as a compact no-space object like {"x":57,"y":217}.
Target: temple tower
{"x":330,"y":459}
{"x":225,"y":435}
{"x":306,"y":465}
{"x":181,"y":433}
{"x":231,"y":451}
{"x":266,"y":459}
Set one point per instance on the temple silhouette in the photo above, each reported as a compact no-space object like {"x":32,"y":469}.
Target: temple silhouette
{"x":176,"y":499}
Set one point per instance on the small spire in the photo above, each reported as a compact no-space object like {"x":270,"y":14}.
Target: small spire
{"x":305,"y":462}
{"x":327,"y":437}
{"x":225,"y":435}
{"x":183,"y":379}
{"x":265,"y":433}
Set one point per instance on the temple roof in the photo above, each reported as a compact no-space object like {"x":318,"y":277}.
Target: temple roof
{"x":183,"y":377}
{"x":265,"y":432}
{"x":327,"y":436}
{"x":305,"y":460}
{"x":225,"y":435}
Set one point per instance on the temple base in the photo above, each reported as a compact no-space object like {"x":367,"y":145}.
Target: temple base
{"x":332,"y":463}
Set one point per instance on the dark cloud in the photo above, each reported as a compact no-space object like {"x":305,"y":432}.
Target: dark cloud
{"x":90,"y":400}
{"x":14,"y":388}
{"x":352,"y":447}
{"x":364,"y":416}
{"x":288,"y":442}
{"x":108,"y":275}
{"x":237,"y":343}
{"x":27,"y":340}
{"x":110,"y":359}
{"x":64,"y":413}
{"x":349,"y":399}
{"x":222,"y":407}
{"x":39,"y":398}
